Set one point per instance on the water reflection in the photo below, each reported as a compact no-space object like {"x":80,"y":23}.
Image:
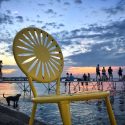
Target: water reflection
{"x":122,"y":102}
{"x":84,"y":112}
{"x":99,"y":105}
{"x":7,"y":89}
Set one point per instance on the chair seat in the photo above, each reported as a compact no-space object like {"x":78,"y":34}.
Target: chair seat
{"x":71,"y":97}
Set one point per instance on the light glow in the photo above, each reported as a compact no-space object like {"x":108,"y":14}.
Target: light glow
{"x":7,"y":60}
{"x":8,"y":71}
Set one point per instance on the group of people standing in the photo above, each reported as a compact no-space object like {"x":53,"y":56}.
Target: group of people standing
{"x":69,"y":77}
{"x":100,"y":74}
{"x":110,"y":73}
{"x":85,"y":77}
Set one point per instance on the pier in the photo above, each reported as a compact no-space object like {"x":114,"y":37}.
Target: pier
{"x":69,"y":87}
{"x":20,"y":81}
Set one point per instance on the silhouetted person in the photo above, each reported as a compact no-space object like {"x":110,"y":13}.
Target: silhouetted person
{"x":88,"y":76}
{"x":0,"y":69}
{"x":97,"y":72}
{"x":103,"y":74}
{"x":120,"y":73}
{"x":67,"y":78}
{"x":85,"y":78}
{"x":110,"y":73}
{"x":71,"y":77}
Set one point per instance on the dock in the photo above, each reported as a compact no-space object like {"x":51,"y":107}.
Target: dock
{"x":69,"y":87}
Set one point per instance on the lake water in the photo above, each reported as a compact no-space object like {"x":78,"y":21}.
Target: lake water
{"x":83,"y":112}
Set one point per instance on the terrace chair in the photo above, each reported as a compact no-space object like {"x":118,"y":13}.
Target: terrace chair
{"x":40,"y":58}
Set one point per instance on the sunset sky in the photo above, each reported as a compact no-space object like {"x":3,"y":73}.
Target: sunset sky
{"x":90,"y":32}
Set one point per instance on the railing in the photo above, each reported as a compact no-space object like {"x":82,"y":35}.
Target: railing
{"x":62,"y":79}
{"x":68,"y":86}
{"x":11,"y":79}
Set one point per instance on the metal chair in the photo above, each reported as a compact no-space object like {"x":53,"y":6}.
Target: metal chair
{"x":40,"y":58}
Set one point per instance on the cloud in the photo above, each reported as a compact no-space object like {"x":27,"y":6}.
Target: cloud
{"x":38,"y":16}
{"x":6,"y":19}
{"x":5,"y":46}
{"x":94,"y":44}
{"x":66,"y":3}
{"x":1,"y":1}
{"x":61,"y":25}
{"x":8,"y":11}
{"x":32,"y":25}
{"x":78,"y":1}
{"x":119,"y":8}
{"x":81,"y":46}
{"x":89,"y":45}
{"x":19,"y":19}
{"x":97,"y":56}
{"x":44,"y":27}
{"x":41,"y":4}
{"x":98,"y":32}
{"x":39,"y":21}
{"x":50,"y":11}
{"x":12,"y":71}
{"x":15,"y":12}
{"x":75,"y":48}
{"x":104,"y":0}
{"x":10,"y":67}
{"x":58,"y":1}
{"x":53,"y":25}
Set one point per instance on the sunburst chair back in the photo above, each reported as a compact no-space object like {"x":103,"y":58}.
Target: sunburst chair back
{"x":40,"y":58}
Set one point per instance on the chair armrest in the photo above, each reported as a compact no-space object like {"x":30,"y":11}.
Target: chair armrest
{"x":74,"y":97}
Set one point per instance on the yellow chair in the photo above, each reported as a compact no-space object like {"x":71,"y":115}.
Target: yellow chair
{"x":39,"y":56}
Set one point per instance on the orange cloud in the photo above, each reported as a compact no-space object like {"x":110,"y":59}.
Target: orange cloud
{"x":81,"y":70}
{"x":91,"y":70}
{"x":8,"y":71}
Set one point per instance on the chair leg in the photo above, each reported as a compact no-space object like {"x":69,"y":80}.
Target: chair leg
{"x":64,"y":107}
{"x":31,"y":121}
{"x":110,"y":111}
